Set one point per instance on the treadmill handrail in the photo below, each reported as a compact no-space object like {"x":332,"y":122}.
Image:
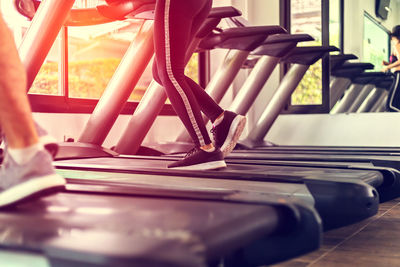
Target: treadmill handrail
{"x":105,"y":13}
{"x":77,"y":16}
{"x":258,"y":32}
{"x":283,"y":38}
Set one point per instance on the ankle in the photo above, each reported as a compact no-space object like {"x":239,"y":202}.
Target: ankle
{"x":208,"y":148}
{"x":219,"y":119}
{"x":24,"y":155}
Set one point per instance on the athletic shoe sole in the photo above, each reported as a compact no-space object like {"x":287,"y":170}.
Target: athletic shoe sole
{"x":35,"y":187}
{"x":212,"y":165}
{"x":235,"y":131}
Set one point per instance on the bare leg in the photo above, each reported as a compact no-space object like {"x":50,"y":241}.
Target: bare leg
{"x":27,"y":168}
{"x":15,"y":112}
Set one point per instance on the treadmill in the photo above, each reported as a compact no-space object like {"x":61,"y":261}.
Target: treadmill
{"x":384,"y":161}
{"x":354,"y":97}
{"x":359,"y":197}
{"x":345,"y":71}
{"x":117,"y":224}
{"x":304,"y":57}
{"x":375,"y":102}
{"x":343,"y":74}
{"x":387,"y":181}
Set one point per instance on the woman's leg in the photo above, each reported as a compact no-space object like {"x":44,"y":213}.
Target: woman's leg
{"x":207,"y":105}
{"x":174,"y":30}
{"x":27,"y":168}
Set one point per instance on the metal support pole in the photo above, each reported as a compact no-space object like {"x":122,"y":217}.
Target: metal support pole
{"x":380,"y":104}
{"x":348,"y":99}
{"x":120,"y":87}
{"x":63,"y":84}
{"x":337,"y":88}
{"x":254,"y":84}
{"x":277,"y":104}
{"x":42,"y":33}
{"x":226,"y":74}
{"x":361,"y":98}
{"x":370,"y":101}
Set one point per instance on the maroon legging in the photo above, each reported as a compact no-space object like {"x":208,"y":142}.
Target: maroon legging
{"x":175,"y":26}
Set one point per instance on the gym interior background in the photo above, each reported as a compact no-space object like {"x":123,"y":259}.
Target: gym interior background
{"x":83,"y":59}
{"x":93,"y":54}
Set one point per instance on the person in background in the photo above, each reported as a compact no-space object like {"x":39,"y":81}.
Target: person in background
{"x":393,"y":103}
{"x":176,"y":23}
{"x":27,"y":168}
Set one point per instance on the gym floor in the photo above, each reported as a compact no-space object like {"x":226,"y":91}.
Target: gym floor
{"x":372,"y":242}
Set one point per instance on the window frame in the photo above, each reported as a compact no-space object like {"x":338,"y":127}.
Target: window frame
{"x":285,"y":21}
{"x":63,"y":103}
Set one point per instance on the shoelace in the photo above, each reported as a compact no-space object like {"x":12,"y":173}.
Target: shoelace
{"x":192,"y":152}
{"x":214,"y":132}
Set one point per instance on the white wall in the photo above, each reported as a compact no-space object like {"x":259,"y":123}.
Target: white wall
{"x":64,"y":126}
{"x":375,"y":129}
{"x":369,"y":129}
{"x":354,"y":24}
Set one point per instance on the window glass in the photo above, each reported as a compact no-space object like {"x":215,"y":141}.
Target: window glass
{"x":46,"y":81}
{"x":94,"y":53}
{"x":334,"y":23}
{"x":48,"y":77}
{"x":306,"y":18}
{"x":376,"y":43}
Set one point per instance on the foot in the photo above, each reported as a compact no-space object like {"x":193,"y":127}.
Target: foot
{"x":228,"y":131}
{"x":48,"y":141}
{"x":22,"y":182}
{"x":198,"y":159}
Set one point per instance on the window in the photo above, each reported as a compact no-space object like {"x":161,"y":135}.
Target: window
{"x":306,"y":18}
{"x":92,"y":54}
{"x":323,"y":20}
{"x":334,"y":23}
{"x":376,"y":45}
{"x":47,"y":79}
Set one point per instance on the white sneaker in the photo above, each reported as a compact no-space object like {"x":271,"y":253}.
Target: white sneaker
{"x":33,"y":179}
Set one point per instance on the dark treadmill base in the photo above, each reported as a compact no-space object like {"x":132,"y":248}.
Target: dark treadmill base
{"x":330,"y":149}
{"x":390,"y":190}
{"x":111,"y":230}
{"x":252,"y":255}
{"x":331,"y":195}
{"x":377,"y":160}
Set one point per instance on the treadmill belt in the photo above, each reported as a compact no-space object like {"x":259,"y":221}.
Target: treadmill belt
{"x":348,"y":149}
{"x":325,"y":152}
{"x":383,"y":161}
{"x":176,"y":186}
{"x":73,"y":229}
{"x":157,"y":165}
{"x":331,"y":190}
